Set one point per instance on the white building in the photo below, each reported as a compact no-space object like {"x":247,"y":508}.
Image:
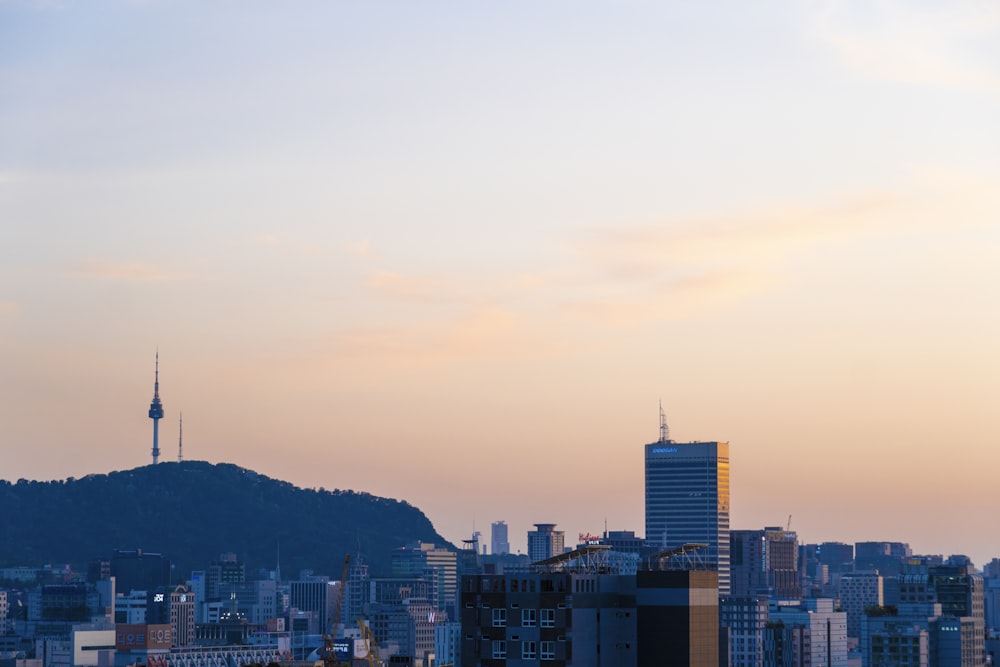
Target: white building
{"x":827,"y":628}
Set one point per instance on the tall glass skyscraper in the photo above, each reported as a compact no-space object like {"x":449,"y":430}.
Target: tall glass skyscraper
{"x":687,"y":499}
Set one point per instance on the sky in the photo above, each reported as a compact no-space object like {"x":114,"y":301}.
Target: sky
{"x":458,"y":253}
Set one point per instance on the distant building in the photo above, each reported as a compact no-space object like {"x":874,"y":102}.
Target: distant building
{"x":624,"y":541}
{"x":764,"y":562}
{"x":837,"y":556}
{"x":182,"y":623}
{"x":745,"y":619}
{"x":447,"y":643}
{"x":859,"y":591}
{"x":824,"y":629}
{"x":957,"y":590}
{"x":401,"y":615}
{"x":886,"y":557}
{"x":317,"y":596}
{"x":437,"y":565}
{"x":499,"y":544}
{"x":135,"y":570}
{"x":545,"y":542}
{"x":4,"y":608}
{"x":687,"y":498}
{"x":919,"y":634}
{"x":228,"y":569}
{"x":357,"y":593}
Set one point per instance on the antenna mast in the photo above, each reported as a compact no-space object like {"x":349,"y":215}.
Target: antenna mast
{"x":664,"y":429}
{"x":180,"y":438}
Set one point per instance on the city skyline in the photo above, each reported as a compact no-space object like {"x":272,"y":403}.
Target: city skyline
{"x":456,"y":255}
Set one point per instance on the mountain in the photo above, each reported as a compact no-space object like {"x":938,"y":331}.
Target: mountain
{"x":192,"y":511}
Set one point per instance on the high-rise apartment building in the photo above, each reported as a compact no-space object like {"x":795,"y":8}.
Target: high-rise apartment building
{"x":687,"y":499}
{"x":498,"y":542}
{"x":586,"y":619}
{"x":545,"y":542}
{"x":745,"y":619}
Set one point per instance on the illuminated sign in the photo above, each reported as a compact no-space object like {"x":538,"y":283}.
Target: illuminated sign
{"x":343,"y":649}
{"x":158,"y":597}
{"x":664,"y":450}
{"x":134,"y":636}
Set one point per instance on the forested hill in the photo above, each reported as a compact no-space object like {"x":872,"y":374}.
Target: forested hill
{"x":192,"y":511}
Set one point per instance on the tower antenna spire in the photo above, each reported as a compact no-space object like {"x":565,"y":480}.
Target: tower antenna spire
{"x":156,"y":410}
{"x":180,"y":437}
{"x":664,"y":429}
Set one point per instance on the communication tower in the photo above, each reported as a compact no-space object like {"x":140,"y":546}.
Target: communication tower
{"x":156,"y":411}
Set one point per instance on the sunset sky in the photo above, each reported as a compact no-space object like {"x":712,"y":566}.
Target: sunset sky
{"x":457,"y":253}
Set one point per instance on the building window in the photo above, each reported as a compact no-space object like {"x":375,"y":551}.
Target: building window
{"x":500,"y":618}
{"x":529,"y":618}
{"x":548,"y":651}
{"x":529,"y":650}
{"x":548,"y":618}
{"x":499,"y":649}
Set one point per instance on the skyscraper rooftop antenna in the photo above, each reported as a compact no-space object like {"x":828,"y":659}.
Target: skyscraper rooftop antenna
{"x":664,"y":429}
{"x":156,"y":411}
{"x":180,"y":437}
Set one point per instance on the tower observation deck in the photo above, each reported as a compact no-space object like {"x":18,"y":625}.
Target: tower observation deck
{"x":156,"y":412}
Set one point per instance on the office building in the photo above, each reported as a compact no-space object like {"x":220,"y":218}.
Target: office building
{"x":764,"y":562}
{"x":859,"y":591}
{"x":687,"y":499}
{"x":319,"y":597}
{"x":499,"y":543}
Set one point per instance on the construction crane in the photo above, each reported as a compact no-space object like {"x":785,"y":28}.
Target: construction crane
{"x":369,"y":637}
{"x":329,"y":656}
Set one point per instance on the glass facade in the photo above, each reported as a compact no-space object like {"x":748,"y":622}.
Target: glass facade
{"x":687,"y":500}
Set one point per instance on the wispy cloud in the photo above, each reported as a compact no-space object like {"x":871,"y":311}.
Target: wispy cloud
{"x":630,"y":275}
{"x":127,"y":271}
{"x":361,"y":249}
{"x":932,"y":44}
{"x":422,"y":289}
{"x":686,"y":248}
{"x":484,"y":334}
